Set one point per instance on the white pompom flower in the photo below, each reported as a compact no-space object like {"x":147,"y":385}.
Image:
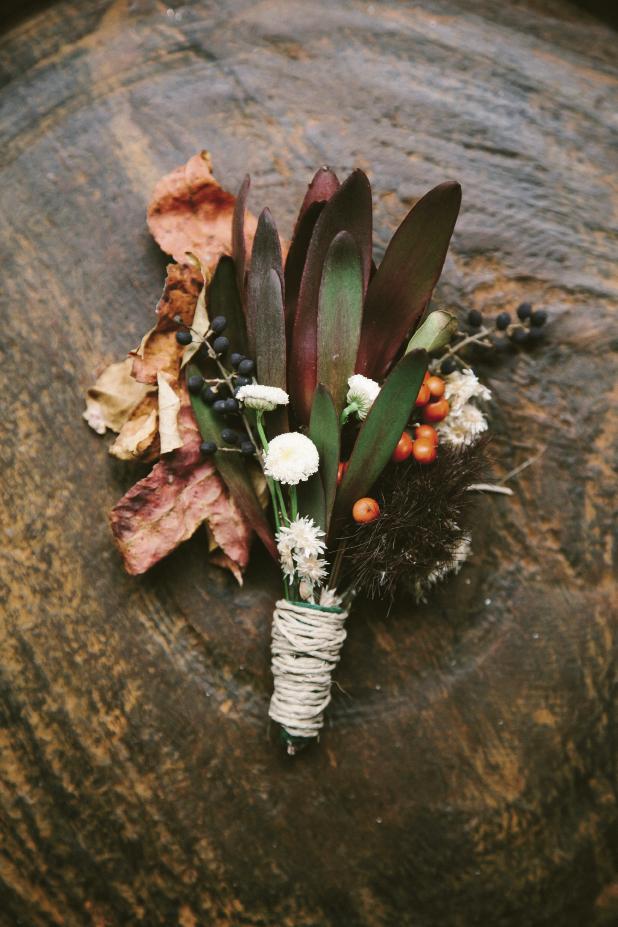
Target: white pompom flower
{"x":291,"y":458}
{"x":362,"y":392}
{"x":262,"y":398}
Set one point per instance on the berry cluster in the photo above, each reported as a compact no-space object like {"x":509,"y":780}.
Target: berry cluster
{"x":220,"y":393}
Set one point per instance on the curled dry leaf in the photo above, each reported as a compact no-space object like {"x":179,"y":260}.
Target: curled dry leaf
{"x":167,"y":506}
{"x":169,"y":407}
{"x":137,"y":437}
{"x":191,"y":212}
{"x":113,"y":398}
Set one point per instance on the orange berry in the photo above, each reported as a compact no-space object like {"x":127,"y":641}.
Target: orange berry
{"x":436,"y":411}
{"x":423,"y":395}
{"x":365,"y":511}
{"x":436,"y":387}
{"x":403,"y":448}
{"x":424,"y":450}
{"x":426,"y":431}
{"x":343,"y":466}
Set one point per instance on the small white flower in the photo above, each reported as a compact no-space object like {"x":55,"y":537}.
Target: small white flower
{"x":262,"y":398}
{"x":362,"y":393}
{"x":462,"y":426}
{"x":291,"y":458}
{"x":287,"y":562}
{"x":305,"y":591}
{"x":301,"y":535}
{"x":463,"y":386}
{"x":312,"y":569}
{"x":329,"y":598}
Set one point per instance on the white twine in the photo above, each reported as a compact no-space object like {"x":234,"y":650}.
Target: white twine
{"x":306,"y":643}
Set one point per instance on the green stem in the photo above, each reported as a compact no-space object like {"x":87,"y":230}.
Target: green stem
{"x":284,"y":513}
{"x":347,"y":412}
{"x":294,"y":502}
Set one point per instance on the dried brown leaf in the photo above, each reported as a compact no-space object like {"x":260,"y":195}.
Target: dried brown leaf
{"x":137,"y":437}
{"x":113,"y":398}
{"x":169,"y":407}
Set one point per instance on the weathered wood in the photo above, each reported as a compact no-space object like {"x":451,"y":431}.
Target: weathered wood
{"x":469,"y":774}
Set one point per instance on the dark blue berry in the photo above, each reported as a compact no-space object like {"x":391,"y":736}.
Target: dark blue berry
{"x":538,"y":318}
{"x":230,"y":436}
{"x":500,"y":343}
{"x":208,"y":394}
{"x":519,"y":336}
{"x":503,"y":320}
{"x":535,"y":335}
{"x":219,"y":407}
{"x":221,"y":344}
{"x":184,"y":337}
{"x":246,"y":448}
{"x":524,"y":311}
{"x":218,"y":324}
{"x":231,"y":406}
{"x":194,"y":383}
{"x":243,"y":381}
{"x":235,"y":359}
{"x":208,"y":447}
{"x":246,"y":367}
{"x":448,"y":365}
{"x":475,"y":319}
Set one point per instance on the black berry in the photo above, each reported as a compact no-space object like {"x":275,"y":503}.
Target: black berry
{"x":246,"y":448}
{"x":208,"y":447}
{"x":535,"y":335}
{"x":500,"y":343}
{"x":246,"y":367}
{"x":448,"y":365}
{"x":519,"y":336}
{"x":208,"y":394}
{"x":235,"y":359}
{"x":221,"y":344}
{"x":218,"y":324}
{"x":231,"y":406}
{"x":194,"y":383}
{"x":184,"y":337}
{"x":475,"y":319}
{"x":503,"y":320}
{"x":243,"y":381}
{"x":219,"y":407}
{"x":538,"y":318}
{"x":230,"y":436}
{"x":524,"y":311}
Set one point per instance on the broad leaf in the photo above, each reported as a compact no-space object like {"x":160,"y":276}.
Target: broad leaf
{"x":233,"y":471}
{"x":270,"y":346}
{"x":381,"y":431}
{"x":340,"y":313}
{"x":311,"y":500}
{"x":321,"y":189}
{"x":434,"y":333}
{"x":349,"y":210}
{"x":265,"y":256}
{"x":239,"y":247}
{"x":223,"y":299}
{"x":402,"y":286}
{"x":295,"y":263}
{"x":324,"y":432}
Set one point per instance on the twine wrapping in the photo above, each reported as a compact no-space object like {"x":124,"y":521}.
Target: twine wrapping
{"x":306,"y":643}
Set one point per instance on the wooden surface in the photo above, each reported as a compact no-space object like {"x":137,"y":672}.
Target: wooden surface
{"x":469,"y":772}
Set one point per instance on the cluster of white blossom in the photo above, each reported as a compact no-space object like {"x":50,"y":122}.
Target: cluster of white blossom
{"x":301,"y":547}
{"x":465,"y":421}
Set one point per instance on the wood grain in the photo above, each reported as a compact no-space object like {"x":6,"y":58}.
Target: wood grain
{"x":469,"y":772}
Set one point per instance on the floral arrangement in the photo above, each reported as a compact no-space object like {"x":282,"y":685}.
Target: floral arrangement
{"x":301,"y":394}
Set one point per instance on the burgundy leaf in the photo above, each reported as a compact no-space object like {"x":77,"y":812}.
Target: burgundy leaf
{"x":324,"y":184}
{"x":295,"y":263}
{"x":401,"y":288}
{"x":239,"y":246}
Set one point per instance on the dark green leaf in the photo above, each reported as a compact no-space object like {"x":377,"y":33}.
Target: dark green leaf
{"x":402,"y":286}
{"x":340,"y":314}
{"x":311,"y":500}
{"x":265,"y":256}
{"x":239,"y":248}
{"x":324,"y":432}
{"x":381,"y":431}
{"x":223,"y":299}
{"x":349,"y":209}
{"x":233,"y":470}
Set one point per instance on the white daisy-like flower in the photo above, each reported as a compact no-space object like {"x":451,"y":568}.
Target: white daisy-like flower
{"x":362,"y":393}
{"x":462,"y":426}
{"x":329,"y":598}
{"x":462,"y":386}
{"x":262,"y":398}
{"x":311,"y":569}
{"x":287,"y":562}
{"x":301,"y":535}
{"x":291,"y":458}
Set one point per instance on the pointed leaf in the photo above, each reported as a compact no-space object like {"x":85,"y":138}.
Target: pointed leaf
{"x":402,"y":286}
{"x":295,"y":263}
{"x":270,"y":332}
{"x":381,"y":431}
{"x":435,"y":332}
{"x":340,"y":313}
{"x":233,"y":470}
{"x":324,"y":184}
{"x":311,"y":500}
{"x":223,"y":299}
{"x":239,"y":248}
{"x":324,"y":432}
{"x":349,"y":210}
{"x":265,"y":256}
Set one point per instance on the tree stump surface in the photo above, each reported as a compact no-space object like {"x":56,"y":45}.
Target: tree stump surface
{"x":468,"y":772}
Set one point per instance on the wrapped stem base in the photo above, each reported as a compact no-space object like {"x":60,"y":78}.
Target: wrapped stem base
{"x":306,"y":645}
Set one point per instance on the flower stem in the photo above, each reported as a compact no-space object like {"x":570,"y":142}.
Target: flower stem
{"x":347,"y":412}
{"x":294,"y":502}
